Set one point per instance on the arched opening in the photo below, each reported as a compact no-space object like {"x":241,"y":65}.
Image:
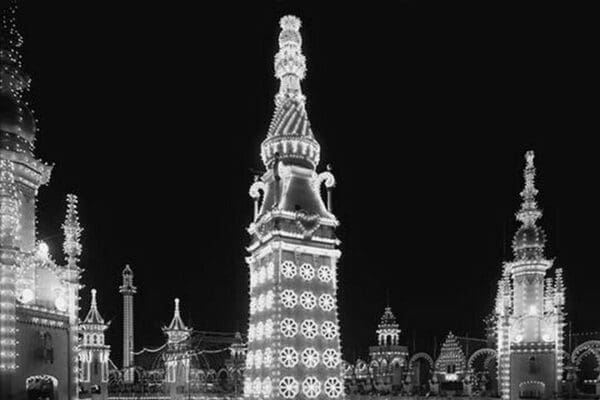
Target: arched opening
{"x":531,"y":389}
{"x":41,"y":387}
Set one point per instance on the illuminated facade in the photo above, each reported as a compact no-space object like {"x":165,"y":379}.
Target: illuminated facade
{"x":293,"y":335}
{"x":529,"y":308}
{"x":38,"y":297}
{"x":127,"y":289}
{"x":451,"y":364}
{"x":94,"y":355}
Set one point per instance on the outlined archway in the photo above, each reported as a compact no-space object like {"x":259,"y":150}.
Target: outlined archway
{"x":421,"y":367}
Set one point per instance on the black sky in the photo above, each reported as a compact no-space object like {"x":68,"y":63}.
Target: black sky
{"x":154,"y":114}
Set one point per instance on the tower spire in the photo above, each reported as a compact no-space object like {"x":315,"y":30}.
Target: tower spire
{"x":290,"y":63}
{"x":93,"y":316}
{"x":12,"y":80}
{"x":72,"y":232}
{"x":529,"y":241}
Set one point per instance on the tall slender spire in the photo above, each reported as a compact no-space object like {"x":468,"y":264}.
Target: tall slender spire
{"x":15,"y":116}
{"x":72,"y":232}
{"x":290,"y":136}
{"x":12,"y":80}
{"x":529,"y":240}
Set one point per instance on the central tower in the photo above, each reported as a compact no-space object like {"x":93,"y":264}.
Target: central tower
{"x":293,"y":335}
{"x":529,"y":309}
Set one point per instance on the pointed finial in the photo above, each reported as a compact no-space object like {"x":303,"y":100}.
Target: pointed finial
{"x":290,"y":63}
{"x":177,"y":308}
{"x":94,"y":304}
{"x":529,"y":212}
{"x":72,"y":232}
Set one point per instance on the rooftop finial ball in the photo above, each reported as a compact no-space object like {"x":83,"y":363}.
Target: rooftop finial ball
{"x":290,"y":22}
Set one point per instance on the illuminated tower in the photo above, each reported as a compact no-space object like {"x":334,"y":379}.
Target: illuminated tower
{"x":388,"y":357}
{"x":94,"y":354}
{"x":177,"y":356}
{"x":293,"y":335}
{"x":38,"y":297}
{"x":128,"y":290}
{"x":529,"y":308}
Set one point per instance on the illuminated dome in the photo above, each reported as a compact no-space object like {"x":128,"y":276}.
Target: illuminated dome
{"x":529,"y":242}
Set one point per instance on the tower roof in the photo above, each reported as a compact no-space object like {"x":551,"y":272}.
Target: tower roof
{"x":176,"y":323}
{"x":529,"y":240}
{"x":290,"y":136}
{"x":388,"y":320}
{"x":93,"y":316}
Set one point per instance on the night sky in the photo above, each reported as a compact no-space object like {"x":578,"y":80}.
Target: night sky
{"x":154,"y":114}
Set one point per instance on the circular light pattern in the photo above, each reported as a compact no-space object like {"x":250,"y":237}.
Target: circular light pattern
{"x":308,"y":300}
{"x":326,"y":302}
{"x":262,"y":275}
{"x":310,"y":357}
{"x":325,"y":274}
{"x":269,"y":300}
{"x":331,"y":358}
{"x":311,"y":387}
{"x":268,"y":329}
{"x":61,"y":303}
{"x":258,"y":359}
{"x":252,"y":305}
{"x":309,"y":328}
{"x":288,"y":357}
{"x":249,"y":360}
{"x":289,"y":327}
{"x":251,"y":333}
{"x":288,"y":269}
{"x":260,"y":304}
{"x":307,"y":272}
{"x":259,"y":331}
{"x":288,"y":387}
{"x":26,"y":296}
{"x":328,"y":330}
{"x":256,"y":387}
{"x":247,"y":387}
{"x":268,"y":357}
{"x":267,"y":387}
{"x":333,"y":387}
{"x":270,"y":271}
{"x":288,"y":298}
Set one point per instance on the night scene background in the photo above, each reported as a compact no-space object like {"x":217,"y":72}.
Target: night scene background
{"x":154,"y":114}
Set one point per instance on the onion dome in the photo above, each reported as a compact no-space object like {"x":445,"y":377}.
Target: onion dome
{"x":17,"y":123}
{"x":290,"y":137}
{"x":530,"y":239}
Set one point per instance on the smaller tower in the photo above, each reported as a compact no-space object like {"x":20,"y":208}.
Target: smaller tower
{"x":177,"y":356}
{"x":94,"y":353}
{"x":127,"y":289}
{"x":451,"y":365}
{"x":388,"y":356}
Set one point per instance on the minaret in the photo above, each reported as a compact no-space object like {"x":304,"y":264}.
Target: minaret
{"x":177,"y":356}
{"x":128,"y":290}
{"x":71,"y":276}
{"x":94,"y":354}
{"x":9,"y":223}
{"x":388,"y":331}
{"x":293,"y":333}
{"x":529,"y":308}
